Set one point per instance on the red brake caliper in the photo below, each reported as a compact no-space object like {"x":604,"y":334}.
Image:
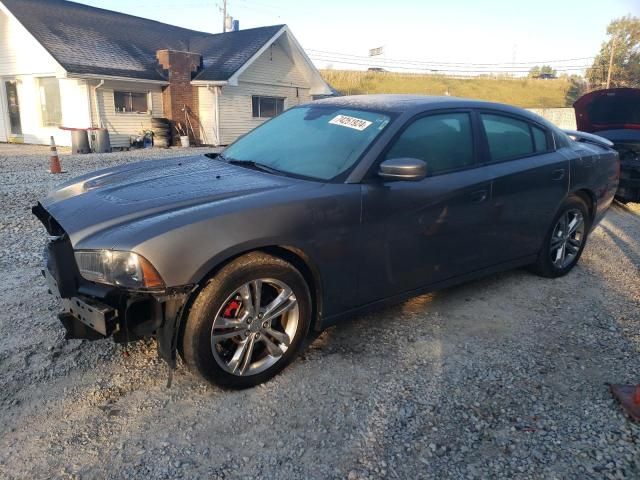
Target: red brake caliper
{"x":231,"y":310}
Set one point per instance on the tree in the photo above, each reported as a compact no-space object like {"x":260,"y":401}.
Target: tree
{"x":577,"y":87}
{"x":624,"y":41}
{"x":546,"y":71}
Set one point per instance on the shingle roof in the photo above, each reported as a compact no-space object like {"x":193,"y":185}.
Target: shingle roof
{"x":89,"y":40}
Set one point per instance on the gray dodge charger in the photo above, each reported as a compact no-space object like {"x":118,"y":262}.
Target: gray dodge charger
{"x":330,"y":208}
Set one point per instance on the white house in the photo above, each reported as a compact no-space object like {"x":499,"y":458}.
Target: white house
{"x":67,"y":65}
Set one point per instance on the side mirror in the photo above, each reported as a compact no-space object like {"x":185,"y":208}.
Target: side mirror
{"x":403,"y":169}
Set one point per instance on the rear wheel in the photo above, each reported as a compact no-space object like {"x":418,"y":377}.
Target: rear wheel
{"x":565,"y":239}
{"x":248,"y":322}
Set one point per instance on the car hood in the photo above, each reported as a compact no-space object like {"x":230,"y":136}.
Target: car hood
{"x":120,"y":195}
{"x":606,"y":110}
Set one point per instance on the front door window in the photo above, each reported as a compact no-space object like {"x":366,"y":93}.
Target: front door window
{"x":11,"y":88}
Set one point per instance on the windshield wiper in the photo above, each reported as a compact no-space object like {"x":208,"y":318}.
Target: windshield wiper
{"x":253,"y":165}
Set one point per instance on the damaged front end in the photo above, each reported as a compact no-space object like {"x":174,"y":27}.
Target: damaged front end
{"x":92,"y":310}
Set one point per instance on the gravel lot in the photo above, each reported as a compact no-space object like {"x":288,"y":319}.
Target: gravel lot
{"x":503,"y":377}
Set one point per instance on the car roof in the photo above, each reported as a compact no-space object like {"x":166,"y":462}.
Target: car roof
{"x":393,"y":103}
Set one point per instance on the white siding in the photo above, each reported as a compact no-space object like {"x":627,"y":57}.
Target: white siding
{"x":3,"y":115}
{"x":236,"y":115}
{"x":20,"y":52}
{"x":274,"y":67}
{"x":124,"y":125}
{"x":207,"y":114}
{"x":22,"y":58}
{"x":272,"y":74}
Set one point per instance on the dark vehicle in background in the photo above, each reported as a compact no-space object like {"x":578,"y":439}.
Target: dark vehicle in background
{"x":329,"y":209}
{"x":615,"y":114}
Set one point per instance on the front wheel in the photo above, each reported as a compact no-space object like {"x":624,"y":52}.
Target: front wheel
{"x":565,"y":239}
{"x":248,"y":322}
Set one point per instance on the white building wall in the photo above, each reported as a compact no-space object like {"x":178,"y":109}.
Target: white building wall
{"x":23,"y":59}
{"x":272,"y":74}
{"x":122,"y":126}
{"x":207,"y":116}
{"x":20,"y":52}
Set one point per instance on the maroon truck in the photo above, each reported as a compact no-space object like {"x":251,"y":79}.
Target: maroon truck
{"x":615,"y":114}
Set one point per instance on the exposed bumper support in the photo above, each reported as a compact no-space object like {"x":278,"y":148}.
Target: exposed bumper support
{"x":629,"y":187}
{"x":93,"y":311}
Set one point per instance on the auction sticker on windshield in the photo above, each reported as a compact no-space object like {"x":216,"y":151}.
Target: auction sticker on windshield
{"x":350,"y":122}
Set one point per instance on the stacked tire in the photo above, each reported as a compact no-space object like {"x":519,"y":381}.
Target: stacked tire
{"x":161,"y":128}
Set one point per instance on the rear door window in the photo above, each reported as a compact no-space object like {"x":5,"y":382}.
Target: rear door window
{"x":443,"y":141}
{"x":507,"y":137}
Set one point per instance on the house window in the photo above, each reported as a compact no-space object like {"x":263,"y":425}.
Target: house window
{"x":266,"y":107}
{"x":131,"y":102}
{"x":50,"y":102}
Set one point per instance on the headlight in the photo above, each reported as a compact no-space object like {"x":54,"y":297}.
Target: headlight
{"x":125,"y":269}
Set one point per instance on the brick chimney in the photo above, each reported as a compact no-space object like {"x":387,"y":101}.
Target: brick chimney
{"x":180,"y":66}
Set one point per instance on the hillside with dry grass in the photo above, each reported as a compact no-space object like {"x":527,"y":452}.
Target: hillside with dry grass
{"x":523,"y":92}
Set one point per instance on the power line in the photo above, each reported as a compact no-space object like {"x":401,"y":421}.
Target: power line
{"x":422,"y":62}
{"x":438,"y":70}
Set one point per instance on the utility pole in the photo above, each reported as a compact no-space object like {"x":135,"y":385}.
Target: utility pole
{"x":613,"y":49}
{"x":224,"y":16}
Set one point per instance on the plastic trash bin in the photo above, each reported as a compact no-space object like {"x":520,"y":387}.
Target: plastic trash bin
{"x":79,"y":141}
{"x":100,"y":142}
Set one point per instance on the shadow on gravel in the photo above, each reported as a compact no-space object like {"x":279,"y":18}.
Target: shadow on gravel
{"x":624,"y":243}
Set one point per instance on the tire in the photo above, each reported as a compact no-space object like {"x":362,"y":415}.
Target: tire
{"x":549,"y":263}
{"x":222,"y":325}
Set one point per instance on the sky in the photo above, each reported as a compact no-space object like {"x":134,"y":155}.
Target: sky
{"x":458,"y":36}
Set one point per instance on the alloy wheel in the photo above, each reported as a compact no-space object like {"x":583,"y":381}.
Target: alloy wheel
{"x":567,"y":238}
{"x":255,"y":326}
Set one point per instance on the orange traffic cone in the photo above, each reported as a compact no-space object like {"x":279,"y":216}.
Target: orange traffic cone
{"x":629,"y":398}
{"x":54,"y":161}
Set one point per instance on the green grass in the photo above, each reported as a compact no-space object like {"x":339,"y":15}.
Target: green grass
{"x":523,"y":92}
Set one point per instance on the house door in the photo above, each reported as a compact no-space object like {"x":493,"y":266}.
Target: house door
{"x":13,"y":107}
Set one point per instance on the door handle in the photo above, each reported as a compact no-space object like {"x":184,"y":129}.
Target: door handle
{"x":479,"y":196}
{"x":558,"y":174}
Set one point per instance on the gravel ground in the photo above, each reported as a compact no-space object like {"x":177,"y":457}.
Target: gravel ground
{"x":505,"y":377}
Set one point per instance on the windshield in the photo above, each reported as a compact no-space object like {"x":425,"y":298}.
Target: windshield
{"x":319,"y":142}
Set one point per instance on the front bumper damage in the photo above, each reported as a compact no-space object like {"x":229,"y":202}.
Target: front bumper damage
{"x":93,"y":311}
{"x":629,"y":186}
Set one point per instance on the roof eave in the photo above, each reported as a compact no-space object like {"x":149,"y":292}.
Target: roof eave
{"x":207,"y":83}
{"x":93,"y":76}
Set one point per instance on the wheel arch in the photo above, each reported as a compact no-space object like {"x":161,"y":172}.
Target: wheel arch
{"x":293,"y":255}
{"x":589,"y":198}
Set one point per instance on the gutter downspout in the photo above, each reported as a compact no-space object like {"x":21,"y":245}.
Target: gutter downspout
{"x":216,"y":94}
{"x":95,"y":96}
